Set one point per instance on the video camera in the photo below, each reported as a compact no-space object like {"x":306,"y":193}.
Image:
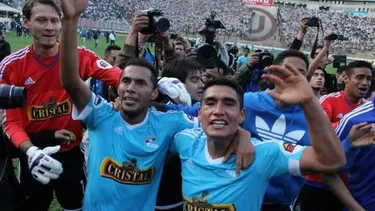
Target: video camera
{"x":12,"y":97}
{"x":157,"y":24}
{"x":206,"y":53}
{"x":266,"y":59}
{"x":333,"y":37}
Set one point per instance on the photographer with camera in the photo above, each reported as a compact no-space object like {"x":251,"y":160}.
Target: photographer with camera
{"x":143,"y":26}
{"x":11,"y":195}
{"x":249,"y":75}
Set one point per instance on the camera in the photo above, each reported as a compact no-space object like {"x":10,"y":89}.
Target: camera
{"x":157,"y":24}
{"x":12,"y":97}
{"x":313,"y":22}
{"x":207,"y":54}
{"x":265,"y":59}
{"x":333,"y":37}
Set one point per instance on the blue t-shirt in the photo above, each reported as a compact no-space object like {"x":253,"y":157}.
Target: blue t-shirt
{"x":267,"y":121}
{"x":126,"y":161}
{"x":361,"y":176}
{"x":210,"y":183}
{"x":242,"y":60}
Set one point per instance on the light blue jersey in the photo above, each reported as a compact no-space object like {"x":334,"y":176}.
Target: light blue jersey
{"x":210,"y":183}
{"x":126,"y":161}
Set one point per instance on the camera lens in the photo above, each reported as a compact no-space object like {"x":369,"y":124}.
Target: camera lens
{"x":207,"y":56}
{"x":12,"y":96}
{"x":162,"y":25}
{"x":267,"y":60}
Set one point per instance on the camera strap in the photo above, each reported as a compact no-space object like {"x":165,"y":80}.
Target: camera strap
{"x":313,"y":50}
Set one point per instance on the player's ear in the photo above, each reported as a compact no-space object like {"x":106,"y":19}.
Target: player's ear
{"x":154,"y":94}
{"x":26,"y":22}
{"x":242,"y":115}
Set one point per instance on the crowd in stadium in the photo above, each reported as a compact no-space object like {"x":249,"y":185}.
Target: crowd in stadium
{"x":189,"y":17}
{"x":184,"y":126}
{"x":359,"y":30}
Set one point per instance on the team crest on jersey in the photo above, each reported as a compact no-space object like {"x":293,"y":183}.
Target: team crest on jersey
{"x":289,"y":147}
{"x":49,"y":110}
{"x":200,"y":203}
{"x":103,"y":64}
{"x":150,"y":142}
{"x":127,"y":173}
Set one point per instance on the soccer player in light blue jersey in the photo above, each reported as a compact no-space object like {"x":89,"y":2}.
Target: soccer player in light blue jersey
{"x":127,"y":149}
{"x":208,"y":183}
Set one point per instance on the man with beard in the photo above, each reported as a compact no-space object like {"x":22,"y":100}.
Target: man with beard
{"x":36,"y":67}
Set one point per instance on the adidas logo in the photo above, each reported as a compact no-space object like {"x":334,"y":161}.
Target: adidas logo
{"x":118,"y":130}
{"x":277,"y":132}
{"x":339,"y":116}
{"x":29,"y":81}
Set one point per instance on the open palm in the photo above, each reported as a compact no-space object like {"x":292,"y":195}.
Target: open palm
{"x":73,"y":8}
{"x":291,"y":86}
{"x":362,"y":135}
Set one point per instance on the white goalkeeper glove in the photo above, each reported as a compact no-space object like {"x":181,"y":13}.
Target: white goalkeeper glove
{"x":175,"y":89}
{"x":42,"y":166}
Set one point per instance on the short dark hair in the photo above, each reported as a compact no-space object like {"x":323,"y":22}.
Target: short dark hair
{"x":141,"y":62}
{"x":110,"y":48}
{"x":246,"y":48}
{"x":181,"y":68}
{"x":225,"y":81}
{"x":30,"y":4}
{"x":357,"y":64}
{"x":340,"y":70}
{"x":291,"y":53}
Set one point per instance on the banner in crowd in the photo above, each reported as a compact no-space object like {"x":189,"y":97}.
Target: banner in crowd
{"x":357,"y":13}
{"x":258,"y":2}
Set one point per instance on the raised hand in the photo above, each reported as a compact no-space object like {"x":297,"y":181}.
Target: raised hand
{"x":291,"y":86}
{"x":362,"y":135}
{"x":73,"y":8}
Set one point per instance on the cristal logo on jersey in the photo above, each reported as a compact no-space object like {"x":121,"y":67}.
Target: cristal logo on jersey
{"x":49,"y":110}
{"x":127,"y":173}
{"x":201,"y":204}
{"x":103,"y":64}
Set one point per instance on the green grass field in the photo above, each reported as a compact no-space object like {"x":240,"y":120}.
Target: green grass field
{"x":20,"y":42}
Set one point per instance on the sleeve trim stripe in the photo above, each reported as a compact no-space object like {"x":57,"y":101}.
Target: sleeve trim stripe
{"x":294,"y":167}
{"x":12,"y":57}
{"x":363,"y":109}
{"x":324,"y":97}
